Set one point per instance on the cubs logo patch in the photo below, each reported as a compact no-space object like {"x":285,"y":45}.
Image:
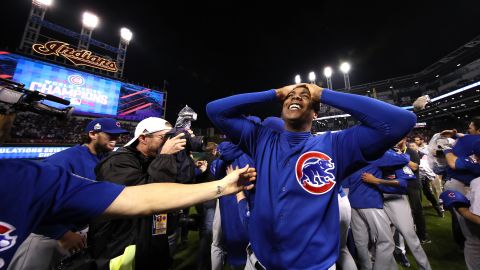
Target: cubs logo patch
{"x":451,"y":194}
{"x":314,"y":172}
{"x":6,"y":240}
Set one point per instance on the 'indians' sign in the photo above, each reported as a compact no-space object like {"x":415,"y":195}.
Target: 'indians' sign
{"x":77,"y":57}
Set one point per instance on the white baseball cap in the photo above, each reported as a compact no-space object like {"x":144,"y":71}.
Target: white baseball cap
{"x":148,"y":126}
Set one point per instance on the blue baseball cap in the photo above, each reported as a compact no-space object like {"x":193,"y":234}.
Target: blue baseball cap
{"x":107,"y":125}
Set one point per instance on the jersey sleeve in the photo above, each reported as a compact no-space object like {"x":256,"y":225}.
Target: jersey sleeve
{"x":382,"y":124}
{"x":79,"y":199}
{"x":51,"y":195}
{"x":227,"y":114}
{"x":464,"y":163}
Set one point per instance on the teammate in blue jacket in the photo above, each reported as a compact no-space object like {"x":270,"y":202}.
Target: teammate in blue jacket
{"x":369,"y":220}
{"x":397,"y":208}
{"x":295,"y":222}
{"x":230,"y":238}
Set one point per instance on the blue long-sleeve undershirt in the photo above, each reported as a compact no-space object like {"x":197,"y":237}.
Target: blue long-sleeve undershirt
{"x":382,"y":126}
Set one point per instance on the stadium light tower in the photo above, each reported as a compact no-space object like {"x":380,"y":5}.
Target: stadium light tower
{"x":298,"y":79}
{"x":345,"y":68}
{"x":312,"y":77}
{"x":34,"y":24}
{"x":328,"y":74}
{"x":125,"y":37}
{"x":89,"y":22}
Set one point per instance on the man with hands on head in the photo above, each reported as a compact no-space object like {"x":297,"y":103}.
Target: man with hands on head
{"x":296,"y":197}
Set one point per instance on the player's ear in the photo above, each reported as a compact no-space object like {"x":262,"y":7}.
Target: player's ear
{"x":92,"y":135}
{"x":315,"y":115}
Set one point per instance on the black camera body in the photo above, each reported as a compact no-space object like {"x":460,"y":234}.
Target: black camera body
{"x":19,"y":99}
{"x":194,"y":143}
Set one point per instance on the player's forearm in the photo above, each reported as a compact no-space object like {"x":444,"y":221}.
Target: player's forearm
{"x":393,"y":183}
{"x":451,"y":158}
{"x":468,"y":215}
{"x":385,"y":124}
{"x":163,"y":197}
{"x":226,"y":113}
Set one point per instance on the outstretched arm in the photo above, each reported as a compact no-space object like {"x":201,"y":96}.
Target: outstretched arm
{"x":163,"y":197}
{"x":227,"y":113}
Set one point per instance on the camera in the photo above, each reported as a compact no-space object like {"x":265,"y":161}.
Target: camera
{"x":19,"y":99}
{"x":194,"y":143}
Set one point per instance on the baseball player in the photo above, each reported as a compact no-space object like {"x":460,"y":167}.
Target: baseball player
{"x":397,"y":208}
{"x":295,"y":222}
{"x":369,"y":220}
{"x":468,"y":218}
{"x":230,"y":237}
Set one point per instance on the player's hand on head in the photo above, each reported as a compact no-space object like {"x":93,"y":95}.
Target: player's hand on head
{"x":174,"y":145}
{"x":283,"y":92}
{"x":315,"y":92}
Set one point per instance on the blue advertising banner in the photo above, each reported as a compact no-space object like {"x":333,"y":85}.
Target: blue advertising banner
{"x":28,"y":152}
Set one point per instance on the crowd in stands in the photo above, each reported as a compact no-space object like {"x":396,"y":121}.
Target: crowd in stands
{"x":43,"y":129}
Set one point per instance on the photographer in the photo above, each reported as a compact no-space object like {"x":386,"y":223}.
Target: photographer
{"x":150,"y":157}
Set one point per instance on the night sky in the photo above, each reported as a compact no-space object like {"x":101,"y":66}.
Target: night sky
{"x":207,"y":50}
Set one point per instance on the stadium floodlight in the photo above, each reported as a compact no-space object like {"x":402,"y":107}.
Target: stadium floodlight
{"x":345,"y":67}
{"x":327,"y":72}
{"x":298,"y":79}
{"x":90,"y":20}
{"x":42,"y":3}
{"x":312,"y":77}
{"x":126,"y":34}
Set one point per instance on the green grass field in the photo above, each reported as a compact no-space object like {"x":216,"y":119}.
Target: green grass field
{"x":442,"y":253}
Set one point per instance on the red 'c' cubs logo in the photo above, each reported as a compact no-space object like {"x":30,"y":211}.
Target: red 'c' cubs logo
{"x":314,"y":172}
{"x":6,"y":240}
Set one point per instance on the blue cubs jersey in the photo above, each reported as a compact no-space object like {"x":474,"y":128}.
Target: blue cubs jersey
{"x":402,"y":174}
{"x":363,"y":195}
{"x":464,"y":145}
{"x":234,"y":216}
{"x":465,"y":167}
{"x":295,"y":222}
{"x":297,"y":187}
{"x":77,"y":159}
{"x":34,"y":194}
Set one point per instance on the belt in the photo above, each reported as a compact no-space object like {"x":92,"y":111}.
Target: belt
{"x":257,"y":265}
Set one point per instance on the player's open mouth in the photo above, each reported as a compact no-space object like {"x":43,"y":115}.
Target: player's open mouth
{"x":294,"y":107}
